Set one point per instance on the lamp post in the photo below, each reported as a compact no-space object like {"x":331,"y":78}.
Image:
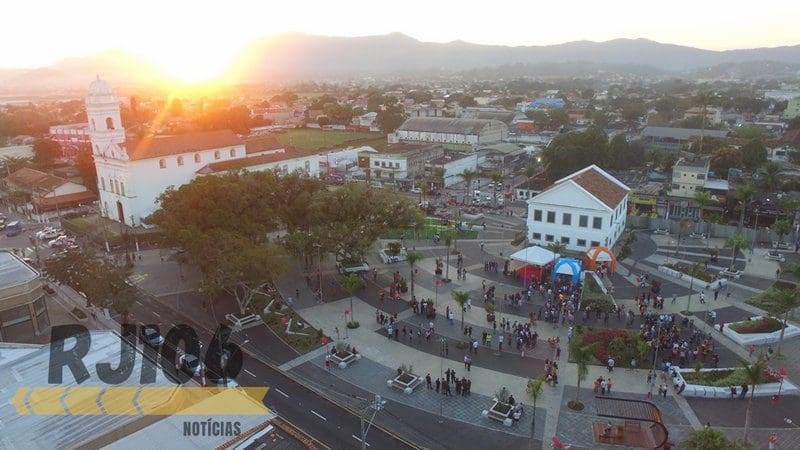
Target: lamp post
{"x":376,"y":405}
{"x":441,"y":375}
{"x":319,"y":268}
{"x":655,"y":356}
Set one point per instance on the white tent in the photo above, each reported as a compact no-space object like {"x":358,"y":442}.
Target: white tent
{"x":535,"y":255}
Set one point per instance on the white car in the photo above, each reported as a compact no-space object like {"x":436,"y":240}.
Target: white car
{"x":416,"y":190}
{"x":48,"y":233}
{"x":60,"y":241}
{"x":190,"y":365}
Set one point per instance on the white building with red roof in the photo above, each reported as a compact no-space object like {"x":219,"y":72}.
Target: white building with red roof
{"x":132,"y":174}
{"x":585,"y":209}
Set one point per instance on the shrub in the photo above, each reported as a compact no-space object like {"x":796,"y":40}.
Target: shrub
{"x":725,"y":378}
{"x":593,"y":296}
{"x":622,"y":345}
{"x":763,"y":325}
{"x":353,"y":324}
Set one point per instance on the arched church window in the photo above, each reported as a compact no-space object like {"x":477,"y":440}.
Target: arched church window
{"x":109,"y":123}
{"x":162,"y":163}
{"x":233,"y":153}
{"x":180,"y":160}
{"x":197,"y":157}
{"x":122,"y":189}
{"x":102,"y":183}
{"x":216,"y":154}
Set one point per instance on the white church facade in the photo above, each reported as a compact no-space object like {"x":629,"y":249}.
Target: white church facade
{"x":132,"y":174}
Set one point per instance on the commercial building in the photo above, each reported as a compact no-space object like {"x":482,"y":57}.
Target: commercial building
{"x":70,"y":137}
{"x":540,"y":104}
{"x":585,"y":209}
{"x":454,"y":164}
{"x":399,"y":164}
{"x":466,"y":132}
{"x":688,"y":176}
{"x":671,"y":139}
{"x":23,"y":311}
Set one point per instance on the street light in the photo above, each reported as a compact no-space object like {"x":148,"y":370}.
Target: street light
{"x":655,"y":357}
{"x":441,"y":375}
{"x":376,"y":405}
{"x":790,"y":422}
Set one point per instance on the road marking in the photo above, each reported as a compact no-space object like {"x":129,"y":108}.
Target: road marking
{"x":358,"y":439}
{"x":318,"y":415}
{"x":159,"y":315}
{"x":250,"y":373}
{"x":281,"y":392}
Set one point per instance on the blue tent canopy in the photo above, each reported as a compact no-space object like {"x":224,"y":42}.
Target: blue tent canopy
{"x":568,"y":266}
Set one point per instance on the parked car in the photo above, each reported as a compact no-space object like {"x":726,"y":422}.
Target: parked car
{"x":60,"y":241}
{"x":48,"y":233}
{"x":190,"y":365}
{"x":349,"y":267}
{"x":152,"y":337}
{"x":416,"y":190}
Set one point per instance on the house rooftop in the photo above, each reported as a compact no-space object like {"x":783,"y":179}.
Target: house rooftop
{"x":262,"y":144}
{"x":403,"y":148}
{"x":598,"y":183}
{"x":241,"y":163}
{"x":14,"y":271}
{"x":159,"y":146}
{"x":34,"y":180}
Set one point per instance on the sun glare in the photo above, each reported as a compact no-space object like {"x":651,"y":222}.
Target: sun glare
{"x":194,"y":68}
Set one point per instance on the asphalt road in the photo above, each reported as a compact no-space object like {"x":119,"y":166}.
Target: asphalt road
{"x":325,"y":421}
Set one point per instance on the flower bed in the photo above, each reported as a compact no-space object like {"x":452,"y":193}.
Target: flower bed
{"x":699,"y":274}
{"x":764,"y":325}
{"x":757,"y":331}
{"x":725,"y":377}
{"x":594,"y":296}
{"x":716,"y":383}
{"x":622,"y":345}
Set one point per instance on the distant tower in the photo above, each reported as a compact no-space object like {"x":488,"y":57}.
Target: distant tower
{"x":105,"y":124}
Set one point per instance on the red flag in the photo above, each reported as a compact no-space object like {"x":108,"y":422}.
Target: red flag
{"x":438,"y":282}
{"x":347,"y":310}
{"x":325,"y":340}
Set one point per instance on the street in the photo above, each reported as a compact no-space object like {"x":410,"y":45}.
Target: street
{"x":323,"y":420}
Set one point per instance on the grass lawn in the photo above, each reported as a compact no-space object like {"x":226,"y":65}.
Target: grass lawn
{"x":764,"y":325}
{"x":78,"y":224}
{"x":312,"y":139}
{"x":302,"y":343}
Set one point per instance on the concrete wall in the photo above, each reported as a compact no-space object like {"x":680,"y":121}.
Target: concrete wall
{"x":716,"y":230}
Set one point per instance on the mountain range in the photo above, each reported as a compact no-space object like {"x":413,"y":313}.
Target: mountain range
{"x":301,"y":56}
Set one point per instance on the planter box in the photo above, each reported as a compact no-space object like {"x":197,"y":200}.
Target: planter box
{"x":500,"y":412}
{"x":344,"y":359}
{"x":716,"y":284}
{"x":406,"y":382}
{"x":745,"y":339}
{"x":762,"y":390}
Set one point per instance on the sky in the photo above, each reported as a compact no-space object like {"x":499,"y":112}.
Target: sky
{"x":203,"y":35}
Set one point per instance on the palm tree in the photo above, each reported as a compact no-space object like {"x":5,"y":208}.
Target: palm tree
{"x":780,"y":302}
{"x":771,"y":176}
{"x":781,"y":228}
{"x":412,"y":258}
{"x":534,"y":392}
{"x":683,"y":228}
{"x":582,"y":355}
{"x":468,"y":176}
{"x":557,"y":248}
{"x":789,"y":205}
{"x":461,"y":298}
{"x":448,"y":240}
{"x":735,"y":243}
{"x":744,"y":194}
{"x":703,"y":99}
{"x":794,"y":269}
{"x":350,"y":283}
{"x":753,"y":375}
{"x":703,"y":200}
{"x":424,"y":189}
{"x":438,"y":176}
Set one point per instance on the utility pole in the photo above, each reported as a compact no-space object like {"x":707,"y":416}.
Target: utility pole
{"x":441,"y":376}
{"x":376,"y":405}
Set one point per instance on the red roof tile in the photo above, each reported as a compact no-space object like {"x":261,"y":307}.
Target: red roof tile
{"x":155,"y":147}
{"x":34,"y":180}
{"x":240,"y":163}
{"x":598,"y":184}
{"x":262,"y":144}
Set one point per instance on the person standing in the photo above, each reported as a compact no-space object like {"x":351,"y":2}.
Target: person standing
{"x":610,"y":364}
{"x":772,"y":443}
{"x":428,"y":382}
{"x":751,"y":350}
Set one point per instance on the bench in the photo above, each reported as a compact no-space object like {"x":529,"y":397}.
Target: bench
{"x":730,"y":274}
{"x":240,"y":322}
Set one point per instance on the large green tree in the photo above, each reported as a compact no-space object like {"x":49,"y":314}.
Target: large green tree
{"x":744,"y":195}
{"x":724,"y":159}
{"x":45,"y":152}
{"x":754,"y":154}
{"x":711,"y":439}
{"x":623,"y":155}
{"x":347,"y":220}
{"x":753,"y":375}
{"x":572,"y":151}
{"x":780,"y":302}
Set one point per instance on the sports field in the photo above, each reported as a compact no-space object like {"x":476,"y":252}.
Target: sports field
{"x":312,"y":139}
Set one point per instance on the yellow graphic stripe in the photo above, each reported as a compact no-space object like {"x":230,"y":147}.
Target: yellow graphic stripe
{"x":132,"y":400}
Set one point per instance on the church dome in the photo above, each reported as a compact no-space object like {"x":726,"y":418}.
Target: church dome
{"x":100,"y":87}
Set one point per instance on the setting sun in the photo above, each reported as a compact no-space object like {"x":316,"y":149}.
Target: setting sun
{"x":195,"y":66}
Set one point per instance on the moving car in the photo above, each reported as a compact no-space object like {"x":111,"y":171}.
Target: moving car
{"x":14,"y":228}
{"x":190,"y":365}
{"x":152,"y":337}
